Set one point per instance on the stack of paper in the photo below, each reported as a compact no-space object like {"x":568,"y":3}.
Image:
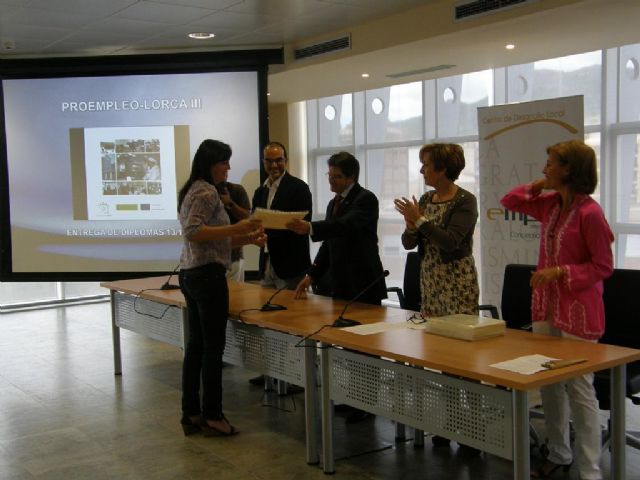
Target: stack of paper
{"x":527,"y":365}
{"x":466,"y":327}
{"x":276,"y":219}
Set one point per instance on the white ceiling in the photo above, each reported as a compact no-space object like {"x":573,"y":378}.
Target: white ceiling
{"x":107,"y":27}
{"x":388,"y":36}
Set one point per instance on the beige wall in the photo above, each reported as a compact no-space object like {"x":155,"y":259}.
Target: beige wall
{"x":279,"y":123}
{"x":287,"y":126}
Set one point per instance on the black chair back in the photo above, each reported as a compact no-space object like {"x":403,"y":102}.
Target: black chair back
{"x":620,"y":328}
{"x":411,"y":282}
{"x":516,"y":296}
{"x":621,"y":311}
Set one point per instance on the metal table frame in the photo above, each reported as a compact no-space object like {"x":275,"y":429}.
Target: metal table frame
{"x":493,"y":419}
{"x":266,"y":351}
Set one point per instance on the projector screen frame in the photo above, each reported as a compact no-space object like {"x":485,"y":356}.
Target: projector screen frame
{"x":188,"y":63}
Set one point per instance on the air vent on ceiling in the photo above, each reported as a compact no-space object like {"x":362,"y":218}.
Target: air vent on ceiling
{"x":435,"y":68}
{"x":322,"y":48}
{"x":466,"y":10}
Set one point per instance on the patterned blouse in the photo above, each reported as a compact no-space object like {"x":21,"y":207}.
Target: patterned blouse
{"x":202,"y":206}
{"x":447,"y":287}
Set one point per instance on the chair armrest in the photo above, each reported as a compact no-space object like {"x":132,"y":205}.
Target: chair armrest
{"x":398,"y":291}
{"x":491,"y":309}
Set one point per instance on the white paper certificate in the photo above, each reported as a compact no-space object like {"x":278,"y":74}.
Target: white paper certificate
{"x":276,"y":219}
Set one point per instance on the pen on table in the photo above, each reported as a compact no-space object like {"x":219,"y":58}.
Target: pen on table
{"x":553,"y":364}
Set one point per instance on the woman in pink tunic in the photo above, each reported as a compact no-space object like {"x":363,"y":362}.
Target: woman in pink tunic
{"x":575,"y":257}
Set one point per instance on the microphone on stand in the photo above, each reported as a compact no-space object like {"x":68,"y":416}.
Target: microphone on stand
{"x":168,"y":286}
{"x":272,"y":307}
{"x":347,"y":322}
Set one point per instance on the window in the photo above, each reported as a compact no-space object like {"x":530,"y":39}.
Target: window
{"x":560,"y":77}
{"x":458,"y":99}
{"x":629,"y":90}
{"x":386,"y":127}
{"x":395,"y":113}
{"x":628,"y":251}
{"x":393,"y":173}
{"x":19,"y":293}
{"x":628,"y":179}
{"x":335,"y":121}
{"x":12,"y":293}
{"x":82,"y":289}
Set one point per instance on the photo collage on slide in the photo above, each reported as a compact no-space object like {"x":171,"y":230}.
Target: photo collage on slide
{"x":131,"y":166}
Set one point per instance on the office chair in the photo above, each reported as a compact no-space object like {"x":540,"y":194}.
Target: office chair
{"x":409,"y":294}
{"x":620,"y":329}
{"x":516,"y":296}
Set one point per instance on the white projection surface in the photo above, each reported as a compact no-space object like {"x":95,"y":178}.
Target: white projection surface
{"x":94,"y":163}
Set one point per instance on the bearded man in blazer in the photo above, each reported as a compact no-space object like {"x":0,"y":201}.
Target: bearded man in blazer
{"x":286,"y":258}
{"x":349,"y":251}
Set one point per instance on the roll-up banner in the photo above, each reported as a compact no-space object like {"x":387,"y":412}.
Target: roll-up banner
{"x":513,"y":143}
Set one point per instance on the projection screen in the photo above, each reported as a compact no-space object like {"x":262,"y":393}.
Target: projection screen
{"x":92,"y":164}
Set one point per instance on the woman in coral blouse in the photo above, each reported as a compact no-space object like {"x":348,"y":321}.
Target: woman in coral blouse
{"x":575,"y":257}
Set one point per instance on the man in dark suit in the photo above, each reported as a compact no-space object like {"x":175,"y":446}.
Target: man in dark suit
{"x":349,"y":252}
{"x":285,"y":259}
{"x":348,"y":260}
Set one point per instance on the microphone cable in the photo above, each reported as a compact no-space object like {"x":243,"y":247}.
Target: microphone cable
{"x":157,"y":317}
{"x":168,"y":286}
{"x":346,"y":322}
{"x":273,"y":307}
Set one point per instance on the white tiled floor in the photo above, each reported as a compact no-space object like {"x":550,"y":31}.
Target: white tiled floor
{"x":64,"y":415}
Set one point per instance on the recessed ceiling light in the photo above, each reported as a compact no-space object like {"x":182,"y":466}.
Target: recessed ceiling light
{"x":509,"y":46}
{"x":201,"y":35}
{"x":365,"y":75}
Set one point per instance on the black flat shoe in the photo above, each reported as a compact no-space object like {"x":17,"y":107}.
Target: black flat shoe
{"x":189,"y":425}
{"x":357,"y":416}
{"x":468,"y":450}
{"x":211,"y":431}
{"x":439,"y":441}
{"x":342,"y":407}
{"x":548,"y":469}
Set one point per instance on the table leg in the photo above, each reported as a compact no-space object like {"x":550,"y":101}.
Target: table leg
{"x":418,"y":438}
{"x":115,"y":330}
{"x":618,"y":381}
{"x":282,"y":387}
{"x":327,"y":413}
{"x":521,"y":460}
{"x":310,"y":407}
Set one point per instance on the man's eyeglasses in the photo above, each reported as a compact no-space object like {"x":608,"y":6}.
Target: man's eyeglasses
{"x":338,"y":176}
{"x":416,"y":319}
{"x":274,"y":160}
